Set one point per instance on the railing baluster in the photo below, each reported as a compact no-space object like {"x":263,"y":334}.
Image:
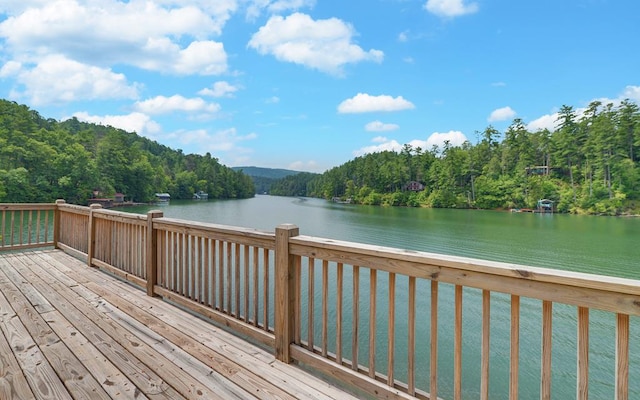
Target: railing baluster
{"x":545,"y":378}
{"x":297,"y":310}
{"x":411,"y":341}
{"x":391,"y":330}
{"x":583,"y":354}
{"x":310,"y":304}
{"x":622,"y":357}
{"x":355,"y":330}
{"x":256,"y":286}
{"x":325,"y":306}
{"x":220,"y":246}
{"x":236,"y":286}
{"x":457,"y":344}
{"x":228,"y":307}
{"x":433,"y":362}
{"x":265,"y":257}
{"x":339,"y":314}
{"x":246,"y":279}
{"x":515,"y":347}
{"x":373,"y":283}
{"x":486,"y":340}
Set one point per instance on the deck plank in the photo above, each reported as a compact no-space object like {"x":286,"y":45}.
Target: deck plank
{"x":40,"y":375}
{"x":144,"y":377}
{"x":207,"y":338}
{"x":60,"y":318}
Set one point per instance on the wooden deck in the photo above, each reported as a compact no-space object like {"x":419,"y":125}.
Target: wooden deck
{"x":70,"y":331}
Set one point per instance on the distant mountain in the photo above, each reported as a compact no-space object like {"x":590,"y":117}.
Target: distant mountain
{"x":273,"y":173}
{"x":264,"y":177}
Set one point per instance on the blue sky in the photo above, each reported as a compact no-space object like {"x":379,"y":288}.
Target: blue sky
{"x":311,"y":84}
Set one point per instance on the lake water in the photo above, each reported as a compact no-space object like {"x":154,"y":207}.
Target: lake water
{"x":600,"y":245}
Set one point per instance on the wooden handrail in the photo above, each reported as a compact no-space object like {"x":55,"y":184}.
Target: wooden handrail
{"x":306,"y":296}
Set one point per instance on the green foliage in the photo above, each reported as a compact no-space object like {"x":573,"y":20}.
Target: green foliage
{"x":589,"y":164}
{"x":43,"y":160}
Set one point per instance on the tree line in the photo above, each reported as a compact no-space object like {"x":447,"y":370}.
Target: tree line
{"x":43,"y":159}
{"x":588,"y":164}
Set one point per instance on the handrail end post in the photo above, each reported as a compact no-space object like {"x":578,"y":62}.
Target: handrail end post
{"x":284,"y":292}
{"x":152,"y":252}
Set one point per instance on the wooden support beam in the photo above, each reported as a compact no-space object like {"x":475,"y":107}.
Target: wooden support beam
{"x":284,"y":292}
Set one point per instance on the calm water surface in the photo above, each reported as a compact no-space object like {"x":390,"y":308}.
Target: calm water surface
{"x":600,"y":245}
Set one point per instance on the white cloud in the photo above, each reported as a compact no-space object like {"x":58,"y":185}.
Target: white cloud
{"x":203,"y":141}
{"x":167,"y":105}
{"x":389,"y":145}
{"x":310,"y":166}
{"x":11,"y":68}
{"x":450,"y":8}
{"x":219,"y":89}
{"x":256,"y":7}
{"x":455,"y":138}
{"x":363,"y":102}
{"x":58,"y":79}
{"x":273,"y":100}
{"x":325,"y":45}
{"x":501,"y":114}
{"x":140,"y":33}
{"x":378,"y":126}
{"x":550,"y":121}
{"x":631,"y":93}
{"x":137,"y":122}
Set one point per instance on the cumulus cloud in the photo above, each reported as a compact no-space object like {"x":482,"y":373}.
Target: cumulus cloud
{"x":168,"y":36}
{"x":631,"y":93}
{"x":550,"y":121}
{"x":58,"y":79}
{"x":167,"y":105}
{"x":450,"y":8}
{"x":256,"y":7}
{"x":226,"y":140}
{"x":325,"y":45}
{"x":455,"y":138}
{"x":437,"y":139}
{"x":219,"y":89}
{"x":501,"y":114}
{"x":137,"y":122}
{"x":547,"y":121}
{"x":378,"y":126}
{"x":362,"y":103}
{"x":311,"y":166}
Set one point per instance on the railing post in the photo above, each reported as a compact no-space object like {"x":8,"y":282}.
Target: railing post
{"x":91,"y":244}
{"x":152,"y":251}
{"x":56,"y":222}
{"x":284,"y":292}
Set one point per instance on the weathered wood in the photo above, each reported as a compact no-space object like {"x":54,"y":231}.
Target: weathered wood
{"x":433,"y":361}
{"x":373,"y":284}
{"x":171,"y":324}
{"x":545,"y":375}
{"x":486,"y":349}
{"x":514,"y":365}
{"x":92,"y":233}
{"x":285,"y":299}
{"x":457,"y":344}
{"x":582,"y":344}
{"x":152,"y":251}
{"x":622,"y":357}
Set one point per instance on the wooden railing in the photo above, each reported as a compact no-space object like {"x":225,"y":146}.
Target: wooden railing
{"x":380,"y":319}
{"x":24,"y":226}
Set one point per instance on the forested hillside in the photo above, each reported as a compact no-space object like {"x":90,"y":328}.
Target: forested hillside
{"x":263,"y":178}
{"x":42,"y":160}
{"x":588,"y":164}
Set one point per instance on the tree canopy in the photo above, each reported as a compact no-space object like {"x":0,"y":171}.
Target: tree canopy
{"x":588,"y":164}
{"x":42,"y":160}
